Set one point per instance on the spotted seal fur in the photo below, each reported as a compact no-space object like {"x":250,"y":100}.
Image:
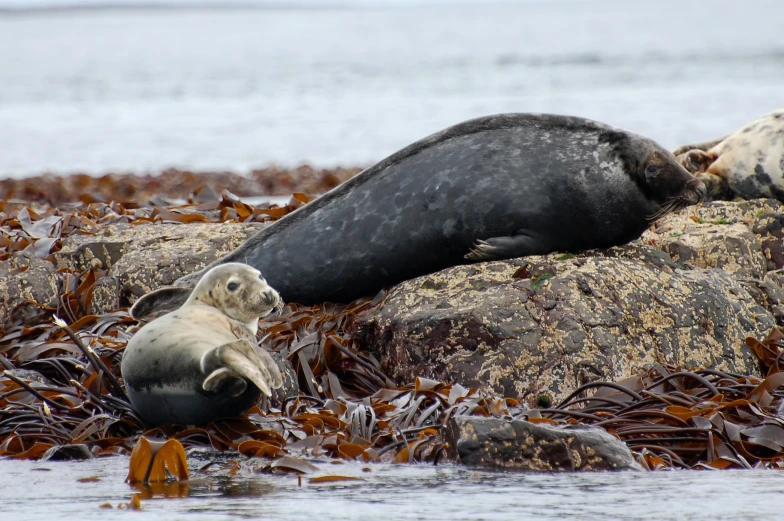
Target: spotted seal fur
{"x":748,"y":163}
{"x":495,"y":187}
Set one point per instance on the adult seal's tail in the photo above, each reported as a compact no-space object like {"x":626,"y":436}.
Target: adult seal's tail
{"x":490,"y":188}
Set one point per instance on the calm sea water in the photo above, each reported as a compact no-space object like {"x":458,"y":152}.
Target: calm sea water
{"x":139,"y":90}
{"x":50,"y":491}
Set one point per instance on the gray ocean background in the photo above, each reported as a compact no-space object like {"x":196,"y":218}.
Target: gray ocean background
{"x":143,"y":89}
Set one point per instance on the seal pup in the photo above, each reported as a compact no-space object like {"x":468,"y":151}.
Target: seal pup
{"x":200,"y":362}
{"x":495,"y":187}
{"x":748,"y":163}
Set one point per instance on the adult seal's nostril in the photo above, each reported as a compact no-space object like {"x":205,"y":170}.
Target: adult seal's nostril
{"x":701,"y":192}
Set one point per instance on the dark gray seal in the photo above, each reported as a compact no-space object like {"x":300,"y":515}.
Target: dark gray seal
{"x":200,"y":362}
{"x":490,"y":188}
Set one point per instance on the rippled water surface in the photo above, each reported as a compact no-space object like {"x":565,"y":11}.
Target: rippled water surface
{"x":232,"y":88}
{"x":50,"y":491}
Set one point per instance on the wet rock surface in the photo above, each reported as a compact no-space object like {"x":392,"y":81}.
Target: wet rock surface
{"x":141,"y":258}
{"x":25,"y":282}
{"x":687,"y":293}
{"x":74,"y":452}
{"x":519,"y":445}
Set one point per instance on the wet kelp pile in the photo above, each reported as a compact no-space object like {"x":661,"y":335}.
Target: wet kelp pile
{"x":61,"y":383}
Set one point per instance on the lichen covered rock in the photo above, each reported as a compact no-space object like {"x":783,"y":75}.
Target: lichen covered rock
{"x":519,"y":445}
{"x":687,"y":293}
{"x":141,"y":258}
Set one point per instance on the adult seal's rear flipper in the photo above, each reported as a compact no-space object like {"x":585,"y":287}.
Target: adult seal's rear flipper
{"x":159,"y":302}
{"x":242,"y":359}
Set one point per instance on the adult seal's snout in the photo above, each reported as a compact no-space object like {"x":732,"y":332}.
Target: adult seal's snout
{"x":490,"y":188}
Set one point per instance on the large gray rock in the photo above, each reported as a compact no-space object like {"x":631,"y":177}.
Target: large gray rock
{"x":687,"y":293}
{"x":141,"y":258}
{"x":26,"y":280}
{"x":519,"y":445}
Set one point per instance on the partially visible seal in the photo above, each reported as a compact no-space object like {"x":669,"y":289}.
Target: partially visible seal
{"x":490,"y":188}
{"x":748,"y":163}
{"x":201,"y":362}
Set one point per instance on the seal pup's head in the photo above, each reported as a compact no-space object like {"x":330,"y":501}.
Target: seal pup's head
{"x":238,"y":290}
{"x":663,"y":181}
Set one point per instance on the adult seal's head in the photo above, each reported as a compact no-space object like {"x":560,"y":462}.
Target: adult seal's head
{"x":665,"y":183}
{"x":201,"y":361}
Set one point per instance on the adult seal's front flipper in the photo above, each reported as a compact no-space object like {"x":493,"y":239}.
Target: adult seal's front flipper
{"x":242,"y":359}
{"x":517,"y":245}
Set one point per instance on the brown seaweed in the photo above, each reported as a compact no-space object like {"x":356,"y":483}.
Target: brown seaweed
{"x":62,"y":385}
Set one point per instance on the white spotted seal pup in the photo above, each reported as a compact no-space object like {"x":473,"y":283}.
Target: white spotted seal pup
{"x":496,"y":187}
{"x":748,"y":163}
{"x":201,"y":362}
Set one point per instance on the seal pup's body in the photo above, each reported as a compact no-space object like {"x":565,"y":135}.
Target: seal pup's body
{"x":200,"y":362}
{"x":748,"y":163}
{"x":495,"y":187}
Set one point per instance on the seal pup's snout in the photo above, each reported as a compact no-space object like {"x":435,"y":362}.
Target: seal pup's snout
{"x":271,"y":298}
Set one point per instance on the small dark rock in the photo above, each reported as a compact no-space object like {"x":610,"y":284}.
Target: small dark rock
{"x":290,"y":385}
{"x":68,"y":453}
{"x":520,"y":445}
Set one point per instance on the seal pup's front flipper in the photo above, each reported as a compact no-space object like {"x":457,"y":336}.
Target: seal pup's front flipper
{"x":509,"y":247}
{"x":159,"y":302}
{"x":244,"y":360}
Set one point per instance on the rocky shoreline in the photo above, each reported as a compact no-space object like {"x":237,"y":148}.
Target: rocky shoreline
{"x":528,"y":332}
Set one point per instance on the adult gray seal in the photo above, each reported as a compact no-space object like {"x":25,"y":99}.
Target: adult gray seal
{"x":200,"y":362}
{"x":748,"y":163}
{"x":496,"y":187}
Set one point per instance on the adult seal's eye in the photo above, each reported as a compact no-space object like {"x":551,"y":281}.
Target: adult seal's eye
{"x":232,"y":286}
{"x":652,"y":171}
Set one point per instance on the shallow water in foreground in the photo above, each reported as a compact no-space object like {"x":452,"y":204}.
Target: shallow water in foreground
{"x":50,"y":491}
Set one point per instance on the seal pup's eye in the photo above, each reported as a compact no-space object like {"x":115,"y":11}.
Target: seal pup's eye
{"x":652,"y":171}
{"x":232,"y":286}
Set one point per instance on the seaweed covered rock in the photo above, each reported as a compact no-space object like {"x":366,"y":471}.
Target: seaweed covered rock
{"x":141,"y":258}
{"x":497,"y":444}
{"x":26,"y":282}
{"x":687,"y":293}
